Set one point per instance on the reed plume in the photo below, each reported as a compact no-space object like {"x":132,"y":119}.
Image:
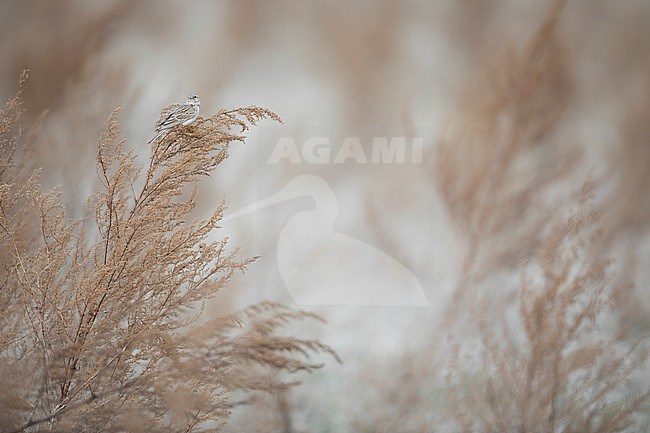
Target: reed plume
{"x":100,"y":327}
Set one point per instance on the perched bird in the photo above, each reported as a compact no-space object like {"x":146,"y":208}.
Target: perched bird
{"x":180,"y":116}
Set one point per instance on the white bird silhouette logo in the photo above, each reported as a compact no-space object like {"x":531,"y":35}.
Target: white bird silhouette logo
{"x":322,"y":267}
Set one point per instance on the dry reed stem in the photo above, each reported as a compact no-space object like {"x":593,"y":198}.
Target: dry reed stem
{"x":100,"y":314}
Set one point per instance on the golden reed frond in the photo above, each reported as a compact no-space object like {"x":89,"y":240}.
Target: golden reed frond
{"x":99,"y":317}
{"x":551,"y":366}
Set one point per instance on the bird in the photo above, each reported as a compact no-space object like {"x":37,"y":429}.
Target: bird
{"x":182,"y":115}
{"x":320,"y":266}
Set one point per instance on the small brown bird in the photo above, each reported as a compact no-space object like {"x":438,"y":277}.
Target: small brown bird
{"x":181,"y":116}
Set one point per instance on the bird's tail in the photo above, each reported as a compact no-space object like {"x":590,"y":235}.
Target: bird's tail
{"x":155,"y":137}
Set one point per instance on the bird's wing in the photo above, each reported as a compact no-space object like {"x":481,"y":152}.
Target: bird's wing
{"x":176,"y":117}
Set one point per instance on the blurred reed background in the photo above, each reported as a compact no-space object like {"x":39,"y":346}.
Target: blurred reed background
{"x":518,"y":104}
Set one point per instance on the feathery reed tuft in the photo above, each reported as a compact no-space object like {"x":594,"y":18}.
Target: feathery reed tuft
{"x":551,"y":365}
{"x":100,"y":328}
